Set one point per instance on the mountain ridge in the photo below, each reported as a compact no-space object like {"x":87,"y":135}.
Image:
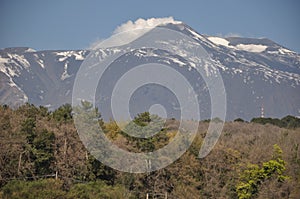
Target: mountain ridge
{"x":251,"y":68}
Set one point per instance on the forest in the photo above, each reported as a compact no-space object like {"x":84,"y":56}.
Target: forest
{"x":42,"y":156}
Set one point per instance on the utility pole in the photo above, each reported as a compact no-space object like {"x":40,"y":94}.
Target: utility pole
{"x":262,"y":112}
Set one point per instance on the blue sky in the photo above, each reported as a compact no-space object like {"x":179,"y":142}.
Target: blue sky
{"x":75,"y":24}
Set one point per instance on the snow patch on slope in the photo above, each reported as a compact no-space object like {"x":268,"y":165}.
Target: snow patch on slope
{"x":39,"y":61}
{"x":177,"y":61}
{"x":11,"y":73}
{"x":219,"y":41}
{"x":252,"y":47}
{"x":78,"y":55}
{"x":30,"y":50}
{"x":284,"y":51}
{"x":8,"y":71}
{"x":65,"y":74}
{"x":4,"y":60}
{"x":255,"y":48}
{"x":195,"y":35}
{"x":20,"y":59}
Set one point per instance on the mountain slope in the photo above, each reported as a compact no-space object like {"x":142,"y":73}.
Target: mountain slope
{"x":256,"y":73}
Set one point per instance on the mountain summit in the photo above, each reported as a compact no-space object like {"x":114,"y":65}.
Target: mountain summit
{"x":257,"y":73}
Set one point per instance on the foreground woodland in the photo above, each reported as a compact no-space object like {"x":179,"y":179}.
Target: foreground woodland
{"x":43,"y":157}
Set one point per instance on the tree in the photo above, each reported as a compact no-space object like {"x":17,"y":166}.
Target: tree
{"x":43,"y":152}
{"x":239,"y":120}
{"x":291,"y":121}
{"x":147,"y":129}
{"x":39,"y":147}
{"x":142,"y":119}
{"x":254,"y":176}
{"x":28,"y":110}
{"x":100,"y":171}
{"x":63,"y":113}
{"x":28,"y":128}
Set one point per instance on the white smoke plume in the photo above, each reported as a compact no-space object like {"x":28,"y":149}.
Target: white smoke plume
{"x":130,"y":31}
{"x":144,"y":24}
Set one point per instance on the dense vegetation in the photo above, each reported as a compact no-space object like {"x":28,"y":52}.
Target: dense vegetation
{"x":286,"y":122}
{"x":43,"y":157}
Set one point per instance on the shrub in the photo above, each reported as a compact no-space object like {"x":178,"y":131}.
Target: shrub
{"x":46,"y":188}
{"x":254,"y":176}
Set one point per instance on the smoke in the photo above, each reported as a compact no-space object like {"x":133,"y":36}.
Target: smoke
{"x":144,"y":24}
{"x":232,"y":35}
{"x":130,"y":31}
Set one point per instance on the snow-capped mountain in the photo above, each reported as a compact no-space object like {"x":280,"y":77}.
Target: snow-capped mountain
{"x":256,"y":73}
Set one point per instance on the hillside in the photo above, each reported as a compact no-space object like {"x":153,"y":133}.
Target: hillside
{"x":43,"y":157}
